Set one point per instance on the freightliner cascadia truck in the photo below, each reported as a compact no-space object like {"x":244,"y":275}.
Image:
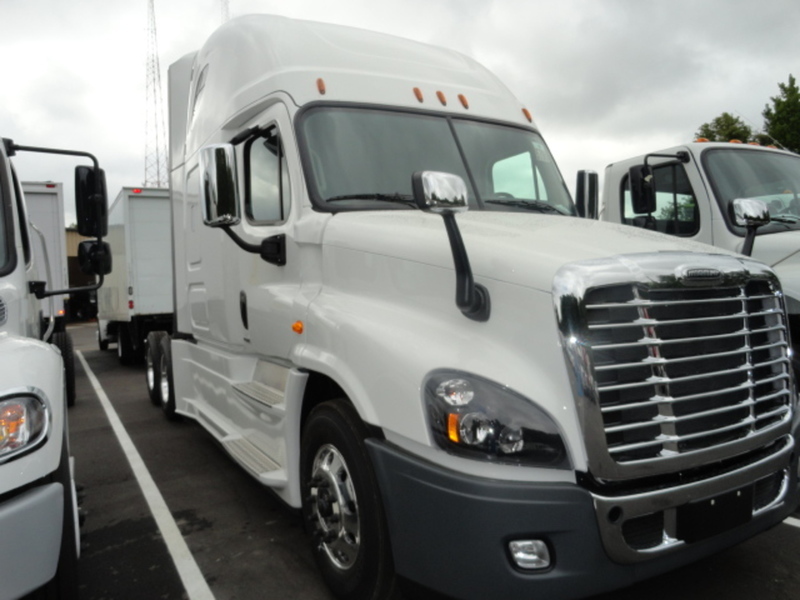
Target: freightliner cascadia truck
{"x":388,"y":312}
{"x":39,"y":542}
{"x":698,"y":191}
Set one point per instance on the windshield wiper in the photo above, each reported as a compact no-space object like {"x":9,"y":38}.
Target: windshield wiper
{"x":784,"y":219}
{"x":398,"y":198}
{"x":536,"y":205}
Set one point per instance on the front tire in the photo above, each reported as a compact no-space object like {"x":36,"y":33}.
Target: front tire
{"x":153,"y":365}
{"x":342,"y":505}
{"x":166,"y":385}
{"x":63,"y":341}
{"x":125,"y":350}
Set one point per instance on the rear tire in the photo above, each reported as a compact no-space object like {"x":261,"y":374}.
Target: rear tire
{"x":125,"y":351}
{"x":63,"y":341}
{"x":166,"y":387}
{"x":153,"y":365}
{"x":342,"y":505}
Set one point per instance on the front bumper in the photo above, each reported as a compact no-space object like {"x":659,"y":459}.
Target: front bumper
{"x":450,"y":531}
{"x":30,"y":538}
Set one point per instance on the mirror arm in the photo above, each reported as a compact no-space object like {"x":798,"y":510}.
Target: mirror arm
{"x":749,"y":239}
{"x":473,"y":299}
{"x":247,"y":247}
{"x":42,"y":293}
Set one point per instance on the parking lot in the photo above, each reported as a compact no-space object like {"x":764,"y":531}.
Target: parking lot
{"x":234,"y":540}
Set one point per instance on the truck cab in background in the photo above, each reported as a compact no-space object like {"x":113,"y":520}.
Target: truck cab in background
{"x":387,"y":313}
{"x":39,"y":539}
{"x":696,"y":189}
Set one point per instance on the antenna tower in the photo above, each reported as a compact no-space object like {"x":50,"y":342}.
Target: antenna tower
{"x":155,"y":148}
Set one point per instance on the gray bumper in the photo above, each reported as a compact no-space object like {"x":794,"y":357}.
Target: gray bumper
{"x":450,"y":532}
{"x":30,"y":538}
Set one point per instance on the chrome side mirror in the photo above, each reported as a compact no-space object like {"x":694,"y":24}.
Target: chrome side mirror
{"x":438,"y":192}
{"x":751,"y":214}
{"x":219,"y":191}
{"x":446,"y":194}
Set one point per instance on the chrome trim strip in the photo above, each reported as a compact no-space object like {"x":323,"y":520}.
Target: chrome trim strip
{"x":667,"y":501}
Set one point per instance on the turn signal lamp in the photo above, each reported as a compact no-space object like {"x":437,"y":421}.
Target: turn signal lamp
{"x":23,"y":423}
{"x":298,"y":327}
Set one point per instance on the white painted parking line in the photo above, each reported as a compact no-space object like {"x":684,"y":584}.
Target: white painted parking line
{"x":193,"y":581}
{"x":792,"y":521}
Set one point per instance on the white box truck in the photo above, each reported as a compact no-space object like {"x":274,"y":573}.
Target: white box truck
{"x":39,"y":539}
{"x":45,"y":203}
{"x":137,"y":295}
{"x":694,"y":192}
{"x":595,"y":406}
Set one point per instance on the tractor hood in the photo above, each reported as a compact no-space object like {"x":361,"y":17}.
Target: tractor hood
{"x":517,"y":248}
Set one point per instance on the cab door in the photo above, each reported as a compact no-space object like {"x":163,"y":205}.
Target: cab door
{"x":268,"y":289}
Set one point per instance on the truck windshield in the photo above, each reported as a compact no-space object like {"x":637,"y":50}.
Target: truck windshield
{"x":4,"y":236}
{"x":768,"y":176}
{"x":359,"y":159}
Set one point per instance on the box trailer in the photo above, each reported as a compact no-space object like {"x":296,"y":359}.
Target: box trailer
{"x":387,"y":312}
{"x":45,"y":202}
{"x":137,"y":295}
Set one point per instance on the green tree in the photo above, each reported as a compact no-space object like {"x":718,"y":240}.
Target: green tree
{"x":782,"y":119}
{"x":725,"y":128}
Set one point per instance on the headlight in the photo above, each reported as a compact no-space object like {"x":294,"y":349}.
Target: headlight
{"x":23,"y":424}
{"x":477,"y":418}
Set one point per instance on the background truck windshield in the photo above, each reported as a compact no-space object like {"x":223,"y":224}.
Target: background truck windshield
{"x":360,"y":158}
{"x":768,"y":176}
{"x":4,"y":236}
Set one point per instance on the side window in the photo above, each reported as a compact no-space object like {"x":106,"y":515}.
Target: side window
{"x":517,"y":176}
{"x":676,"y":205}
{"x":267,"y":179}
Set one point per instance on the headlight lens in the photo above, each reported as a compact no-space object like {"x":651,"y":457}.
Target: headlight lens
{"x":477,"y":418}
{"x":23,"y":423}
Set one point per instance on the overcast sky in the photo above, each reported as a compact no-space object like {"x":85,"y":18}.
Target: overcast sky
{"x":604,"y":79}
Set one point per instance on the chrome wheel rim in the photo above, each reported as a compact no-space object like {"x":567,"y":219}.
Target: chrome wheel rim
{"x":334,"y":508}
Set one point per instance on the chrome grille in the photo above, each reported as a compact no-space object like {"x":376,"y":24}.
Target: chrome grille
{"x":668,"y":371}
{"x":682,"y":369}
{"x":3,"y":312}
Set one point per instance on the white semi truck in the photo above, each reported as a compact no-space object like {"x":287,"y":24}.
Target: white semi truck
{"x":596,"y":406}
{"x":39,"y":542}
{"x":136,"y":297}
{"x":692,"y":194}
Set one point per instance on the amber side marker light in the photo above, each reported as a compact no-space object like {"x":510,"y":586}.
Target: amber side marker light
{"x":527,"y":114}
{"x":701,"y":140}
{"x":298,"y":327}
{"x":442,"y":98}
{"x":418,"y":94}
{"x":452,"y":428}
{"x":463,"y":99}
{"x":734,"y":141}
{"x":321,"y":86}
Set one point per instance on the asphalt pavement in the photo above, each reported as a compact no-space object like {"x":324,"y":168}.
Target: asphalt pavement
{"x":231,"y":539}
